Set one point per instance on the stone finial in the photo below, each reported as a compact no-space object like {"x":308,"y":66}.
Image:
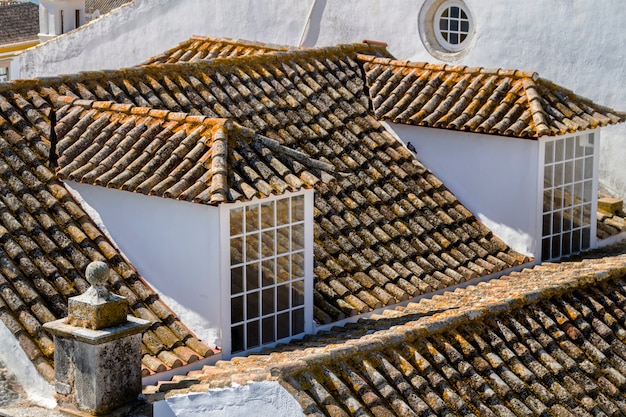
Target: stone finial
{"x":97,"y":274}
{"x":97,"y":350}
{"x":97,"y":308}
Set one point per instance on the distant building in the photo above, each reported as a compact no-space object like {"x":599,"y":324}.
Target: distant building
{"x":96,"y":8}
{"x":57,"y":17}
{"x":18,"y":31}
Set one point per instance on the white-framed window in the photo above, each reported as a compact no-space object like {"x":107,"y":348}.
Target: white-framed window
{"x":270,"y":271}
{"x":569,"y":195}
{"x":452,"y":25}
{"x":4,"y":74}
{"x":446,"y":28}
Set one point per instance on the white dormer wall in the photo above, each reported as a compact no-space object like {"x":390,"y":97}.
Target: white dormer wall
{"x":173,"y":244}
{"x":57,"y":17}
{"x":495,"y":177}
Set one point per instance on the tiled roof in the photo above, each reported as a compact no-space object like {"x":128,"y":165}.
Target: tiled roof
{"x":547,"y":341}
{"x":104,"y":6}
{"x":388,"y":231}
{"x":47,"y":240}
{"x":201,"y":48}
{"x":501,"y":102}
{"x":18,"y":22}
{"x":175,"y":155}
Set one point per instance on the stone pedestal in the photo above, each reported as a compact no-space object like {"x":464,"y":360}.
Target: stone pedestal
{"x":97,"y":349}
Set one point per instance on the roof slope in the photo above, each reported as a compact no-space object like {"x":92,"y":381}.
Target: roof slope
{"x":174,"y":155}
{"x":202,"y":48}
{"x":19,"y":22}
{"x":387,"y":231}
{"x":501,"y":102}
{"x":104,"y":6}
{"x":46,"y":242}
{"x":543,"y":342}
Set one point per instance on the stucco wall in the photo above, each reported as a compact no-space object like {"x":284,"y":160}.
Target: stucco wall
{"x":577,"y":43}
{"x":144,"y":28}
{"x":174,"y":244}
{"x":495,"y":177}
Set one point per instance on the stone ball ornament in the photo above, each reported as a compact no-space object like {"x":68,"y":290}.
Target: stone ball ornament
{"x":97,"y":274}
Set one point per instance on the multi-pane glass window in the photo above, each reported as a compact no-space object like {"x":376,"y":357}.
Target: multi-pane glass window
{"x":452,"y":25}
{"x":267,"y":272}
{"x":4,"y":74}
{"x":567,"y":196}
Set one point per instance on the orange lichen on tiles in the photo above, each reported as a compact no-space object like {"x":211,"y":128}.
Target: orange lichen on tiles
{"x":493,"y":101}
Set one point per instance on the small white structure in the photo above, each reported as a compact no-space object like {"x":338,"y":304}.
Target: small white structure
{"x":519,"y":150}
{"x":206,"y":244}
{"x":234,"y":251}
{"x":57,"y":17}
{"x":259,"y":399}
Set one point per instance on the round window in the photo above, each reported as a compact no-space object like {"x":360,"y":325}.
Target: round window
{"x":446,"y":28}
{"x":452,"y":25}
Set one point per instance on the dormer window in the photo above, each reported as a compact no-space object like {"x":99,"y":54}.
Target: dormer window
{"x":270,"y":280}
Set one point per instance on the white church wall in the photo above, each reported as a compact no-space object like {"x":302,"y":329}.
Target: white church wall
{"x":173,"y":243}
{"x":494,"y":177}
{"x":139,"y":30}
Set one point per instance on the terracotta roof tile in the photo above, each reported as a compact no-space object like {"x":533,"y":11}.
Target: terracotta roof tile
{"x":317,"y":99}
{"x":611,"y":217}
{"x":175,"y":155}
{"x":204,"y":48}
{"x":199,"y":48}
{"x":544,"y":341}
{"x":47,"y":240}
{"x":104,"y":6}
{"x":502,"y":102}
{"x":387,"y":209}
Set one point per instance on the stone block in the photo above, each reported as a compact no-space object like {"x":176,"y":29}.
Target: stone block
{"x":97,"y":314}
{"x":97,"y":371}
{"x":610,"y":205}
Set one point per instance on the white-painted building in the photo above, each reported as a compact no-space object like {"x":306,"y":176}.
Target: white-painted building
{"x":57,"y":17}
{"x":564,"y":41}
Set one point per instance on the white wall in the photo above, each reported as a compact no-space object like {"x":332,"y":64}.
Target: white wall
{"x":579,"y":44}
{"x":258,"y":399}
{"x":173,"y":243}
{"x":493,"y":176}
{"x":144,"y":28}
